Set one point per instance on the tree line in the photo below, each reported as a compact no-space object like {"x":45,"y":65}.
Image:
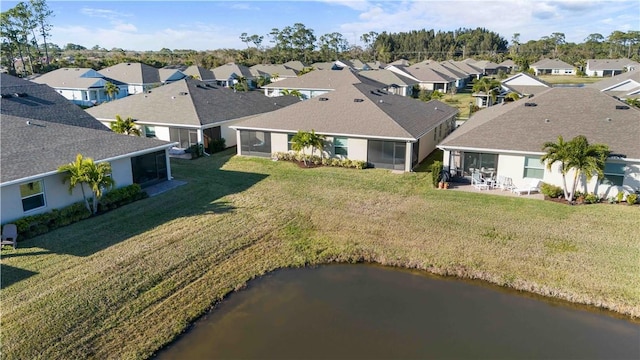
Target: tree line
{"x":25,"y":31}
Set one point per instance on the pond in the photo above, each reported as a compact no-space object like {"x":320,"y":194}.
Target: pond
{"x":369,"y":311}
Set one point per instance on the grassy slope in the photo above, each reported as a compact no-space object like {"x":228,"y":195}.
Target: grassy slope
{"x":125,"y":283}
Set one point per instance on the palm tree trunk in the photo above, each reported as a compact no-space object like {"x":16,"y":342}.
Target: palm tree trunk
{"x":84,"y":197}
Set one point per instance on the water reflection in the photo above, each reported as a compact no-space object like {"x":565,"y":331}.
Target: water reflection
{"x":372,"y":312}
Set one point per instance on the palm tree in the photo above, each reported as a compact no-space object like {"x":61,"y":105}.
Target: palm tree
{"x":512,"y":96}
{"x":296,"y":93}
{"x":316,"y":141}
{"x":75,"y":173}
{"x":99,"y":179}
{"x":300,"y":141}
{"x":488,"y":86}
{"x":586,"y":159}
{"x":111,"y":90}
{"x":241,"y":84}
{"x":86,"y":171}
{"x":126,"y":127}
{"x":558,"y":152}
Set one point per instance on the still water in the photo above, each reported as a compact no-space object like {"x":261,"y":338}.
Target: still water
{"x":373,"y":312}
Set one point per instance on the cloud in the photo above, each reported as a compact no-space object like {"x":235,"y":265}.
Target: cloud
{"x":244,"y":6}
{"x":125,"y":27}
{"x":104,"y":13}
{"x":360,"y":5}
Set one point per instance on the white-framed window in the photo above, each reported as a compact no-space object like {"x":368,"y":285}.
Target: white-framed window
{"x":613,"y":174}
{"x":32,"y":195}
{"x":340,"y":146}
{"x":533,"y":168}
{"x":290,"y":142}
{"x":150,"y":131}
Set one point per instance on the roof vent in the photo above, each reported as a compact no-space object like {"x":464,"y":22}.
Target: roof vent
{"x":530,"y":96}
{"x":380,"y":101}
{"x":20,"y":95}
{"x":530,"y":104}
{"x":622,"y":107}
{"x":183,"y":93}
{"x":608,"y":119}
{"x":323,"y":99}
{"x":547,"y":121}
{"x":173,"y":97}
{"x":358,"y":100}
{"x":5,"y":96}
{"x":148,"y":91}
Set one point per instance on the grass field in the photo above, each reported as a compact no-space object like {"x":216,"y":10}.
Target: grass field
{"x":569,"y":79}
{"x":125,"y":283}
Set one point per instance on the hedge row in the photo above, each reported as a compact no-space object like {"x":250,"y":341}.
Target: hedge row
{"x":316,"y":160}
{"x":34,"y":225}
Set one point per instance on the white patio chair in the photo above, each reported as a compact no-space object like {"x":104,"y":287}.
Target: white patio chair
{"x":477,"y":182}
{"x":534,"y":185}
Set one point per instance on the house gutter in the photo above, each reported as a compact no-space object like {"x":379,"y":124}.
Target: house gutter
{"x":327,"y":133}
{"x":513,"y":152}
{"x":48,"y":173}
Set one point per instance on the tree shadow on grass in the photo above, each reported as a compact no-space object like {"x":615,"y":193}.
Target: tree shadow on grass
{"x":201,"y":195}
{"x":10,"y":275}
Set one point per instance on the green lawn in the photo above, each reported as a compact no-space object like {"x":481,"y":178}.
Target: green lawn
{"x":123,"y":284}
{"x":569,"y":79}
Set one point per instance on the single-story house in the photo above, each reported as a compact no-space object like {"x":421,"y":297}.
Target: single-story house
{"x":41,"y":130}
{"x":295,"y":65}
{"x":510,"y":65}
{"x":395,"y":83}
{"x":461,"y":78}
{"x":609,"y":67}
{"x":199,"y":73}
{"x":359,"y":121}
{"x":623,"y":86}
{"x":228,"y":75}
{"x":141,"y":77}
{"x":552,"y":67}
{"x":488,"y":67}
{"x":318,"y":82}
{"x":428,"y":79}
{"x":508,"y":139}
{"x":190,"y":111}
{"x":83,"y":86}
{"x":466,"y":67}
{"x":273,"y":72}
{"x":524,"y":84}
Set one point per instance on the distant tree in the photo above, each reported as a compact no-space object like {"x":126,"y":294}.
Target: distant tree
{"x":42,"y":13}
{"x":633,"y":102}
{"x":127,"y":126}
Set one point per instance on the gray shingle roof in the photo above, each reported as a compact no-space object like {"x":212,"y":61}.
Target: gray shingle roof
{"x":270,"y":69}
{"x":74,"y":78}
{"x":570,"y":112}
{"x":323,"y":80}
{"x":226,"y":71}
{"x":44,"y":130}
{"x":616,"y":80}
{"x":377,"y":115}
{"x":388,"y":77}
{"x":133,"y":73}
{"x":551,"y":64}
{"x":199,"y":73}
{"x":610,"y":64}
{"x":190,"y":102}
{"x":426,"y":74}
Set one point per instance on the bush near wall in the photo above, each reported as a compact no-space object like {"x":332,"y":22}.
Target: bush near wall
{"x":316,"y":160}
{"x":34,"y":225}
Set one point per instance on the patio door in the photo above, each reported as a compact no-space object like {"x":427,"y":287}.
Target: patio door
{"x":386,"y":154}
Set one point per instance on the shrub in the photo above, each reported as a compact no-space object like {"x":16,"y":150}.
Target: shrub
{"x":436,"y":170}
{"x":620,"y":196}
{"x":551,"y":190}
{"x":196,"y":150}
{"x":122,"y":196}
{"x":216,"y":145}
{"x":591,"y":198}
{"x":317,"y":160}
{"x":632,"y":198}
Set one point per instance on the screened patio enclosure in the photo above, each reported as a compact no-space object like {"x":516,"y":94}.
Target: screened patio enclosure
{"x":391,"y":154}
{"x":463,"y":163}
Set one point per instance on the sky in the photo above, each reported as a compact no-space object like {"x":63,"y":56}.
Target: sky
{"x":210,"y":25}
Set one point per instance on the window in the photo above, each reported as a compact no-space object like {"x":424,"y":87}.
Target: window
{"x":613,"y":174}
{"x":150,"y":131}
{"x":185,"y":137}
{"x":340,"y":146}
{"x":533,"y":168}
{"x":290,"y":142}
{"x":32,"y":195}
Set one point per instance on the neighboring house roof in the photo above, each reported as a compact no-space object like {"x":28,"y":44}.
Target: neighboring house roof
{"x":448,"y":71}
{"x":324,"y":65}
{"x":376,"y":65}
{"x":199,"y":73}
{"x":486,"y":65}
{"x":73,"y":78}
{"x":190,"y":102}
{"x":323,"y":80}
{"x":623,"y":85}
{"x":551,"y":64}
{"x":43,"y":130}
{"x":567,"y":112}
{"x":388,"y":77}
{"x":169,"y":75}
{"x":401,"y":62}
{"x":269,"y":70}
{"x":525,"y":84}
{"x":508,"y":63}
{"x":610,"y":64}
{"x":466,"y":67}
{"x":295,"y":65}
{"x":231,"y":70}
{"x":425,"y":74}
{"x":357,"y":110}
{"x":133,"y":73}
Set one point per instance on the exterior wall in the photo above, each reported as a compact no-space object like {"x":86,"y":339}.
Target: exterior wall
{"x":357,"y":149}
{"x":279,"y":142}
{"x":135,"y":89}
{"x":56,"y":193}
{"x":162,"y":133}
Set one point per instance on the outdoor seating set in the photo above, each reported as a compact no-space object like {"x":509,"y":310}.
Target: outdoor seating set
{"x":503,"y":183}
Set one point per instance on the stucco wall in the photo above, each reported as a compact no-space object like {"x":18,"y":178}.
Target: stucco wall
{"x":279,"y":142}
